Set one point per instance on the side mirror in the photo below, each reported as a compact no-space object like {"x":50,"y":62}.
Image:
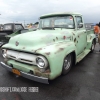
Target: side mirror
{"x":80,"y":25}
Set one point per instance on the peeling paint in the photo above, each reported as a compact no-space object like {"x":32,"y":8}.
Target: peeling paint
{"x":48,"y":53}
{"x":57,"y":38}
{"x":73,"y":33}
{"x":84,"y":48}
{"x":90,"y":37}
{"x":37,"y":73}
{"x":75,"y":40}
{"x":64,"y":37}
{"x":47,"y":71}
{"x":59,"y":50}
{"x":39,"y":49}
{"x":23,"y":48}
{"x":78,"y":36}
{"x":54,"y":40}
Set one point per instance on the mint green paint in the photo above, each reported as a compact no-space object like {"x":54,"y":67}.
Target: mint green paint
{"x":52,"y":45}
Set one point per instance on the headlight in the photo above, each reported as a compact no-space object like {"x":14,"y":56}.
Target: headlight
{"x":41,"y":62}
{"x":4,"y":53}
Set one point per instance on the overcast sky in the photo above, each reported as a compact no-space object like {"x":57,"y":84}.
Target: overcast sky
{"x":30,"y":10}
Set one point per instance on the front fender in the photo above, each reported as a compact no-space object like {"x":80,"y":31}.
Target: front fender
{"x":55,"y":55}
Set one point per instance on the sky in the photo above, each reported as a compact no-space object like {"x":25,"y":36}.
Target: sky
{"x":28,"y":11}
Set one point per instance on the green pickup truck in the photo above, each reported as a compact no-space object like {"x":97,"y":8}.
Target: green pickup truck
{"x":60,"y":41}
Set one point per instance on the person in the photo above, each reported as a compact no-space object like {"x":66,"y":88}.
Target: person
{"x":99,"y":35}
{"x":96,"y":29}
{"x":97,"y":32}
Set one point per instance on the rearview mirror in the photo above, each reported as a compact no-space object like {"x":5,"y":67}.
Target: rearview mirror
{"x":80,"y":25}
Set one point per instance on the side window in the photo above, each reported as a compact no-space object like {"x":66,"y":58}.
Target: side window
{"x":18,"y":27}
{"x":78,"y":21}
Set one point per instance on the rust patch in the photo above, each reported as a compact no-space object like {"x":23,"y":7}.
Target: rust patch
{"x":78,"y":36}
{"x":57,"y":38}
{"x":39,"y":49}
{"x":48,"y":53}
{"x":37,"y":73}
{"x":47,"y":71}
{"x":84,"y":48}
{"x":75,"y":40}
{"x":90,"y":37}
{"x":23,"y":48}
{"x":54,"y":40}
{"x":64,"y":37}
{"x":59,"y":50}
{"x":73,"y":34}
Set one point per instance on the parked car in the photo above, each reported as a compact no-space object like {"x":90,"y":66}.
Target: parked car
{"x":60,"y":42}
{"x":9,"y":29}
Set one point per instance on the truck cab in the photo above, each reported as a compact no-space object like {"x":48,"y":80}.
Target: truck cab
{"x":60,"y":42}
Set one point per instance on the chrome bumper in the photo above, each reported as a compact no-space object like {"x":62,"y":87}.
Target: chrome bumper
{"x":27,"y":75}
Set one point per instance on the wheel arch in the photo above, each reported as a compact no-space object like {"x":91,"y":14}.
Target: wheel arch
{"x":74,"y":56}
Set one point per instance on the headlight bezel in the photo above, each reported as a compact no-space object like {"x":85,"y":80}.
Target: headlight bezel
{"x":44,"y":60}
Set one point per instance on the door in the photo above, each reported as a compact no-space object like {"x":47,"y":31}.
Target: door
{"x":81,"y":35}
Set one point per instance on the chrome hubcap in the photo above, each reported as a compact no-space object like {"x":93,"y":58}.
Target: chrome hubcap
{"x":67,"y":62}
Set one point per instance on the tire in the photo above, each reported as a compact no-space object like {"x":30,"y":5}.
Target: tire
{"x":93,"y":46}
{"x":68,"y":62}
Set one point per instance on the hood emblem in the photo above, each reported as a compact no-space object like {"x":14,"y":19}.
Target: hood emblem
{"x":17,"y":43}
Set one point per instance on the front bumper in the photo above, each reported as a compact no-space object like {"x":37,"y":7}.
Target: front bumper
{"x":27,"y":75}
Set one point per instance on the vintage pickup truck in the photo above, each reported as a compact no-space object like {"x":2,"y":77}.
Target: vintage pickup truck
{"x":60,"y":42}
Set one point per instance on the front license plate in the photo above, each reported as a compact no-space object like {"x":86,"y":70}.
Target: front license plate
{"x":15,"y":71}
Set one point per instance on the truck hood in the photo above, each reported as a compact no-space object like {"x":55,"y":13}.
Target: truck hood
{"x":31,"y":41}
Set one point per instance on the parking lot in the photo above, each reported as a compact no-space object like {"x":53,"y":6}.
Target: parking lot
{"x":81,"y":83}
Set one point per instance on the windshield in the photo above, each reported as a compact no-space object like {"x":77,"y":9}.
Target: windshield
{"x":57,"y":22}
{"x":7,"y":27}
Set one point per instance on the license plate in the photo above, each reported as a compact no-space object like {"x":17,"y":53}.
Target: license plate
{"x":15,"y":71}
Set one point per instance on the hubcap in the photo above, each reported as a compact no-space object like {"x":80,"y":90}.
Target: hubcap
{"x":67,"y":62}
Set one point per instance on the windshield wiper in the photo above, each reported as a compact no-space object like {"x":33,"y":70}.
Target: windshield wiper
{"x":48,"y":28}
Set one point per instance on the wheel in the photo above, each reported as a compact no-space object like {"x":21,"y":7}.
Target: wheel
{"x":92,"y":46}
{"x":68,"y":61}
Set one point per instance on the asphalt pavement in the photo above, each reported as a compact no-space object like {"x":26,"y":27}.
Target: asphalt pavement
{"x":81,"y":83}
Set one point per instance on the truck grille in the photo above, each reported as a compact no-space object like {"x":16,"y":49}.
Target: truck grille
{"x":22,"y":57}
